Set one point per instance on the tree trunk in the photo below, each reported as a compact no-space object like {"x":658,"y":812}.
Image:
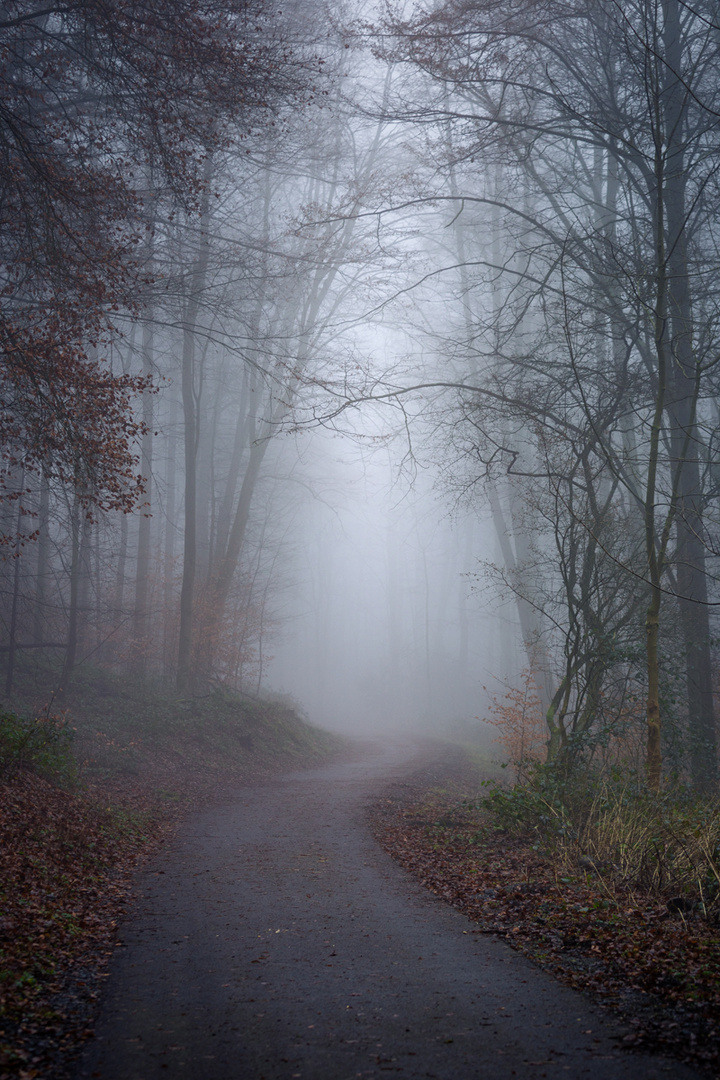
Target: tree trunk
{"x":10,"y":670}
{"x":653,"y":760}
{"x":141,"y":633}
{"x":169,"y":643}
{"x":118,"y":602}
{"x":243,"y":437}
{"x":72,"y":628}
{"x":655,"y":546}
{"x":538,"y":660}
{"x":43,"y":563}
{"x":208,"y":634}
{"x":682,"y":398}
{"x":185,"y":675}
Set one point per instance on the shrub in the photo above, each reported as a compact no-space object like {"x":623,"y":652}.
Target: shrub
{"x":42,"y":744}
{"x":521,"y":725}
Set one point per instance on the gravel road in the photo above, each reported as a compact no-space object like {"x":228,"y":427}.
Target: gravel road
{"x":275,"y":940}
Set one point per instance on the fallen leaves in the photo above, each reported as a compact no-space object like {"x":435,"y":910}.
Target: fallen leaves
{"x":67,"y":860}
{"x":65,"y":865}
{"x":660,"y":970}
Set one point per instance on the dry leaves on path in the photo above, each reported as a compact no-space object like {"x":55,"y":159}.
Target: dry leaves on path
{"x":67,"y":860}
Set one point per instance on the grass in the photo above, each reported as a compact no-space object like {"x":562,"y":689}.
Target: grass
{"x":120,"y":733}
{"x":40,"y":743}
{"x":665,"y":846}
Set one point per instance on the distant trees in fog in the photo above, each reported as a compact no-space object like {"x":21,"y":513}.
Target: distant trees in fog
{"x":97,"y":104}
{"x":223,"y":199}
{"x":108,"y":115}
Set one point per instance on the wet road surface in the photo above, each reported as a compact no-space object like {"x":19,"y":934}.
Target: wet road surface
{"x":276,"y":941}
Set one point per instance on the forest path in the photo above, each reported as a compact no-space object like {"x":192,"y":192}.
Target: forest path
{"x":276,"y":940}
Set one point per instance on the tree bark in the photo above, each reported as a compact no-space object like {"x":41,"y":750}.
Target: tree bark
{"x":142,"y":572}
{"x":76,"y":536}
{"x":169,"y":539}
{"x":187,"y":589}
{"x":10,"y":670}
{"x":185,"y":675}
{"x":653,"y":759}
{"x":691,"y":575}
{"x":43,"y":562}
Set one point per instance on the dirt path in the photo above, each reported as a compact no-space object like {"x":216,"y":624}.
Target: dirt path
{"x":276,"y":940}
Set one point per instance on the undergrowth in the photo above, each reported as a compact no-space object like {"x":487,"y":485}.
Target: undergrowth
{"x":532,"y":866}
{"x":40,"y":743}
{"x":666,"y":846}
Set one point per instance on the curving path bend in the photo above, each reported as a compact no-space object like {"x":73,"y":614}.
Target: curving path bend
{"x":276,"y":941}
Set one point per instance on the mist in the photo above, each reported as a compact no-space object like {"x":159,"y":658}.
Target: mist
{"x":365,"y":374}
{"x":359,"y":498}
{"x":387,"y":628}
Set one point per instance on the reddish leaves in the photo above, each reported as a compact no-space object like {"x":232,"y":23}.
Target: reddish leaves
{"x":104,"y":109}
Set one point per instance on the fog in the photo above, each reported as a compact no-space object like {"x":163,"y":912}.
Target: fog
{"x":388,"y":627}
{"x":370,"y":359}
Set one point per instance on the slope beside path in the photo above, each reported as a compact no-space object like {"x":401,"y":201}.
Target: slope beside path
{"x":277,"y":940}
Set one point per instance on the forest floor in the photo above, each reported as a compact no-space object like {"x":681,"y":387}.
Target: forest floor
{"x":658,"y":971}
{"x":72,"y":840}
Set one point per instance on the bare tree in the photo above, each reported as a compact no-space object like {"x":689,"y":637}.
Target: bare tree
{"x":602,"y":121}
